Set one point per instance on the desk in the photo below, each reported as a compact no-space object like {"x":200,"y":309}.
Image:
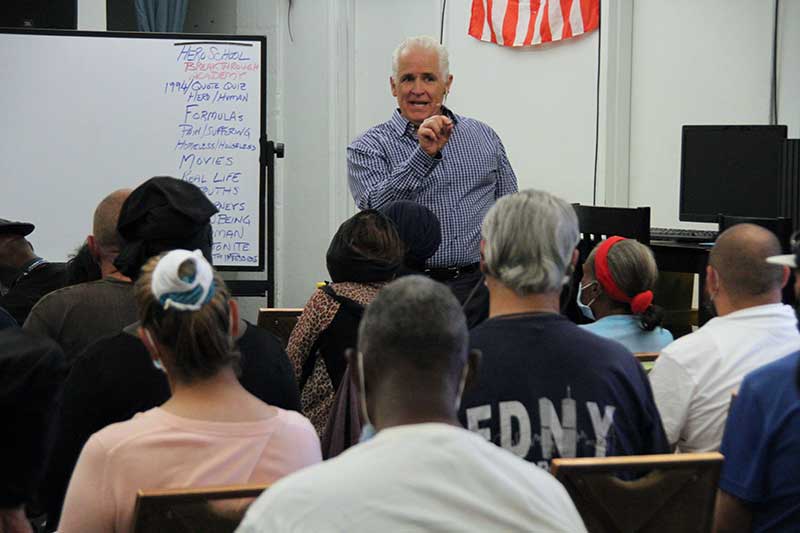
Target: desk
{"x":690,"y":258}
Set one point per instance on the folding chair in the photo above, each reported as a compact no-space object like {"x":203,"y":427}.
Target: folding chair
{"x":207,"y":509}
{"x":674,"y":492}
{"x":279,"y":321}
{"x":647,"y":359}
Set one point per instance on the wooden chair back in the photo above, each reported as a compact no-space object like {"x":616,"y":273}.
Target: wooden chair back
{"x":207,"y":509}
{"x":666,"y":493}
{"x":279,"y":321}
{"x":596,"y":224}
{"x":646,"y":357}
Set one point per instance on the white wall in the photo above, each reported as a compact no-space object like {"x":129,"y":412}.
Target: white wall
{"x":302,"y":98}
{"x":374,"y":43}
{"x":540,"y":100}
{"x":715,"y":70}
{"x":303,"y":203}
{"x":91,"y":15}
{"x":789,"y":71}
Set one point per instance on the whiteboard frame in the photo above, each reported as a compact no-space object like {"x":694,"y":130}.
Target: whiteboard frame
{"x":266,"y":180}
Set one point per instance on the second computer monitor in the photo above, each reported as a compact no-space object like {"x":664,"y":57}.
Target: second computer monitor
{"x":733,"y":170}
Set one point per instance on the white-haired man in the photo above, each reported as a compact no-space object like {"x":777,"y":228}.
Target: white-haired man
{"x":453,"y":165}
{"x":547,"y":388}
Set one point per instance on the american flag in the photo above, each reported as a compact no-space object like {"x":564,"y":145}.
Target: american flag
{"x":532,"y":22}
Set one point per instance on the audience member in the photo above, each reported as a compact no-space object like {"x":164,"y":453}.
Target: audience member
{"x":617,"y":292}
{"x":26,"y":277}
{"x":77,"y":315}
{"x":210,"y":432}
{"x":82,"y":267}
{"x":759,"y":484}
{"x":420,"y":231}
{"x":548,"y":388}
{"x":113,"y":379}
{"x":364,"y":254}
{"x":6,"y":320}
{"x":694,"y":377}
{"x":421,"y":471}
{"x":31,"y":373}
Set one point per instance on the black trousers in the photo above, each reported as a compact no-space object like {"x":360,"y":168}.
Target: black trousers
{"x":473,"y":295}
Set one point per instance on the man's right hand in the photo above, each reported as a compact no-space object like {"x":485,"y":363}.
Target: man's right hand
{"x":433,"y":134}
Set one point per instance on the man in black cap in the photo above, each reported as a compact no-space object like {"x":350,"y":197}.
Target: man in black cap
{"x":24,"y":277}
{"x":114,"y":378}
{"x":32,"y":371}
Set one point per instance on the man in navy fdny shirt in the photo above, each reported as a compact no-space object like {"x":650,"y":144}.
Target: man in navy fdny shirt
{"x":547,"y":388}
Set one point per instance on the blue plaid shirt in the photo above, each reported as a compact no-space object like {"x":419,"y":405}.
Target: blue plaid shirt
{"x":460,"y":184}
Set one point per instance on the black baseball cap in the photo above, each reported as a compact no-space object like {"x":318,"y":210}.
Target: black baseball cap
{"x":10,"y":227}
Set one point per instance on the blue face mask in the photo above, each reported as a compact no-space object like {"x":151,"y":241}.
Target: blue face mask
{"x":367,"y":432}
{"x":584,"y":308}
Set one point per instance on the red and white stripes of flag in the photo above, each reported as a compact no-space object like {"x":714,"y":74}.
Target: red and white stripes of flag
{"x":532,"y":22}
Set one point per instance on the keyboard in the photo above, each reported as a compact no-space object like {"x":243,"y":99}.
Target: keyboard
{"x":682,"y":235}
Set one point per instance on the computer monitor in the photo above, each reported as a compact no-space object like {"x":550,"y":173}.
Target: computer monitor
{"x":733,"y":170}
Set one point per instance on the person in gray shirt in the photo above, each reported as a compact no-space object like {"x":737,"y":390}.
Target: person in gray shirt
{"x":78,"y":315}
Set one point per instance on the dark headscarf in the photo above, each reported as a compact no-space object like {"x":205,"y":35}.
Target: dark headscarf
{"x":419,"y":229}
{"x":163,"y":214}
{"x":365,"y":249}
{"x":82,"y":267}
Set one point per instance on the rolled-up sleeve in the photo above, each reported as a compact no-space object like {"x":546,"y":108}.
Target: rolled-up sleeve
{"x":506,"y":179}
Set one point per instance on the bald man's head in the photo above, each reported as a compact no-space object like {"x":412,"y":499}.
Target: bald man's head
{"x":106,"y":216}
{"x":740,"y":258}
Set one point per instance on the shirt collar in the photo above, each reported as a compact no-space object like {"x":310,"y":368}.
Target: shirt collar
{"x":770,"y":311}
{"x":33,"y":263}
{"x":402,"y":126}
{"x":27,"y":268}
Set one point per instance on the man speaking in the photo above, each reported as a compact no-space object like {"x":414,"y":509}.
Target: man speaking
{"x":454,"y":165}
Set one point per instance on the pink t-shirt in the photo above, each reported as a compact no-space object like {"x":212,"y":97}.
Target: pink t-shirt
{"x":158,"y":450}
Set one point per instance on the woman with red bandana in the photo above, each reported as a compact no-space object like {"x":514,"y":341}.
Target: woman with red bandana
{"x":617,"y":292}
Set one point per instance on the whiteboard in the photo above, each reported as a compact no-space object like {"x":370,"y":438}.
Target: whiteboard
{"x":86,"y":113}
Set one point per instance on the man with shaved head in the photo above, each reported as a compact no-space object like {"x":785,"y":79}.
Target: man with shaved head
{"x":758,"y":485}
{"x":106,"y":242}
{"x":78,"y":315}
{"x":694,"y":377}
